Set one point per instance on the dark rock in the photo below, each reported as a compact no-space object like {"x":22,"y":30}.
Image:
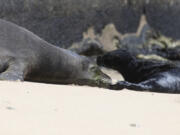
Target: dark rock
{"x":88,"y":47}
{"x":62,"y":22}
{"x":147,"y":40}
{"x":163,"y":15}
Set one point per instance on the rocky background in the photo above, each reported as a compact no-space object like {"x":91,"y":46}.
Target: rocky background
{"x":63,"y":22}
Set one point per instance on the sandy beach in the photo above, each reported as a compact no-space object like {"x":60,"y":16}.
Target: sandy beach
{"x":44,"y":109}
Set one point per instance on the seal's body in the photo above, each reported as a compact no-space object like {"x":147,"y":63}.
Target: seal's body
{"x":25,"y":56}
{"x":143,"y":74}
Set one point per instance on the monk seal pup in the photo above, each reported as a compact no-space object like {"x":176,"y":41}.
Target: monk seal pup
{"x":143,"y":74}
{"x":25,"y":56}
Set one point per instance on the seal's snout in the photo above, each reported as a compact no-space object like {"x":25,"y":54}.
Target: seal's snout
{"x":100,"y":78}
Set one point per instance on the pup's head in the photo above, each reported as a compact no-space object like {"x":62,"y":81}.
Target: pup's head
{"x":118,"y":59}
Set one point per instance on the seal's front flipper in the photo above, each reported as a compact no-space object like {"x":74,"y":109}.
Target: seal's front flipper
{"x":152,"y":85}
{"x":13,"y":71}
{"x":132,"y":86}
{"x":11,"y":76}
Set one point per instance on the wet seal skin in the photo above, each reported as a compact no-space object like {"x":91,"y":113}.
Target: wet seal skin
{"x":143,"y":73}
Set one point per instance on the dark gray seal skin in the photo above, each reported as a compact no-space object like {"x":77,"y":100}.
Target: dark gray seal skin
{"x":142,"y":75}
{"x":25,"y":56}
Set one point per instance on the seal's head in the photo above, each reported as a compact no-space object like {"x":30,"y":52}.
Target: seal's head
{"x":118,"y":59}
{"x":92,"y":75}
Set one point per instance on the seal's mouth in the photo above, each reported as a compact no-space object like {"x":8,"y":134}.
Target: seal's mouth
{"x":100,"y":78}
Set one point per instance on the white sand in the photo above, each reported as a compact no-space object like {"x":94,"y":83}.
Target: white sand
{"x":44,"y":109}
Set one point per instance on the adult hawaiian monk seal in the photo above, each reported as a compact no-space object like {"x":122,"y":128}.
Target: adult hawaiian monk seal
{"x":25,"y":56}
